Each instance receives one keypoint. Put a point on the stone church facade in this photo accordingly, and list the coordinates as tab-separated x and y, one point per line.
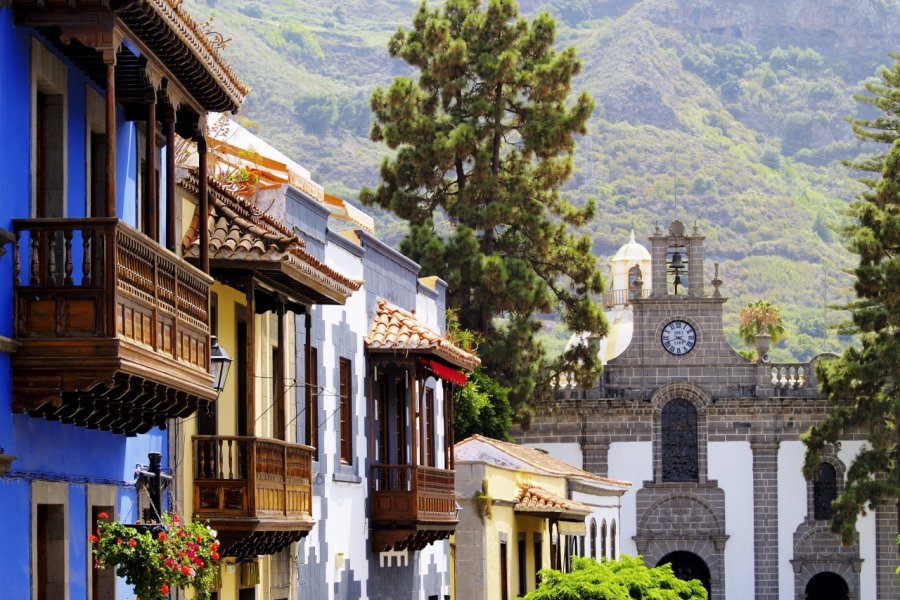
711	442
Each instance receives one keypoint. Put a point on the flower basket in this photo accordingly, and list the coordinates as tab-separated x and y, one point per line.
154	558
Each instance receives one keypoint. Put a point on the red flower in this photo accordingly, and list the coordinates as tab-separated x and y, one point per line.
214	555
118	540
186	570
132	543
93	539
162	536
102	515
164	589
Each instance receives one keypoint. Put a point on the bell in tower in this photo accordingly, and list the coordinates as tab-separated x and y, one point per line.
682	255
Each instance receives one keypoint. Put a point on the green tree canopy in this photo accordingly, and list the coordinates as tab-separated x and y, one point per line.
759	318
864	383
483	142
623	579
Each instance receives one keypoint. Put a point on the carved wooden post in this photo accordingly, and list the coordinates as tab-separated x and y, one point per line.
169	121
204	205
109	59
151	198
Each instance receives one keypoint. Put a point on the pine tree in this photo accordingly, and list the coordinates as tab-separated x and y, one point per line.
483	142
863	385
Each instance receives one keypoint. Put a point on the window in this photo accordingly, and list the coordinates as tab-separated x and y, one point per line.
383	437
824	491
603	539
103	582
428	442
49	534
679	441
400	417
346	429
311	404
522	549
612	540
504	584
594	538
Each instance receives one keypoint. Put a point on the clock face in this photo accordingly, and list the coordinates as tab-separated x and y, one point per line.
678	337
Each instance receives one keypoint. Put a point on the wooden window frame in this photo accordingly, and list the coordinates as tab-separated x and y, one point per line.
344	397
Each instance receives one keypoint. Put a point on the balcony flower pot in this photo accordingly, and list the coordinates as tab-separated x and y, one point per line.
156	558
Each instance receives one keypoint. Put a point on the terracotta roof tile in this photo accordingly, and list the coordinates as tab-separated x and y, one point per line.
397	330
532	498
543	461
238	231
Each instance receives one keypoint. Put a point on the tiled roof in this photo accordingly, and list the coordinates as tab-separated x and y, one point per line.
396	330
532	498
238	231
543	461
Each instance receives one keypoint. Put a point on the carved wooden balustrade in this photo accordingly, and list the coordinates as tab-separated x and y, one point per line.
412	505
114	328
257	492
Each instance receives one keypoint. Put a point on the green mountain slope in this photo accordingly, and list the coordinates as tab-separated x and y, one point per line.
725	113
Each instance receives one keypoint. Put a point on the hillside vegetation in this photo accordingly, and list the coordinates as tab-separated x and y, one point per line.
726	114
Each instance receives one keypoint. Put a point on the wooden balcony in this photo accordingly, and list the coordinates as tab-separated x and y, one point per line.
114	328
256	492
412	506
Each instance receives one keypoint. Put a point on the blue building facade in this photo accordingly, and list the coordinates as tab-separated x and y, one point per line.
104	331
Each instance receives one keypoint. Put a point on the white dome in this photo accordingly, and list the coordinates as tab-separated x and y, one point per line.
631	252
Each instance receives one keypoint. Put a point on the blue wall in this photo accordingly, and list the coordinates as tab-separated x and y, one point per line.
49	450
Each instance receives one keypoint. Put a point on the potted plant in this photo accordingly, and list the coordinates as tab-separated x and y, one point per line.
156	558
760	325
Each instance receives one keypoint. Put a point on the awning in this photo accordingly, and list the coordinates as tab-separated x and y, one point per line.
571	527
445	372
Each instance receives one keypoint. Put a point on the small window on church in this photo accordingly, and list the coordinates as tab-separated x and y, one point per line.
824	491
679	442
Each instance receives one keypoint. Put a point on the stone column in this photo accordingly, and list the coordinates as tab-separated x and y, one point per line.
887	556
765	519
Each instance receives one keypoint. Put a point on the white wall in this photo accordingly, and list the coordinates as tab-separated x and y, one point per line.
731	465
866	527
792	503
630	461
568	453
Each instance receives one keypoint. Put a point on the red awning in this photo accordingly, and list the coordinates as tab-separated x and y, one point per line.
445	373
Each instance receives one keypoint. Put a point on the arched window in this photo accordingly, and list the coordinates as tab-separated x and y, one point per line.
612	540
679	441
603	539
594	538
824	491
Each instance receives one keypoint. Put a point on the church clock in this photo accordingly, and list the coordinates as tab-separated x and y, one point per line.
678	337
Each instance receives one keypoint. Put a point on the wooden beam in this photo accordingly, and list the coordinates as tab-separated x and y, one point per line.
250	358
151	198
109	58
169	121
413	423
204	207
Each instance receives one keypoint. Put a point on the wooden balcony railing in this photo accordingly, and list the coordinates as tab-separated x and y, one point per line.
412	494
101	303
249	477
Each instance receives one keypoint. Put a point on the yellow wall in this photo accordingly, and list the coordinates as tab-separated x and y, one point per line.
503	486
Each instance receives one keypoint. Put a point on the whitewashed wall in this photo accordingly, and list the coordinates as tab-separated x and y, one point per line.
630	461
731	465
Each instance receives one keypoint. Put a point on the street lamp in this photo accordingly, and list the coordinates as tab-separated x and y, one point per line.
220	362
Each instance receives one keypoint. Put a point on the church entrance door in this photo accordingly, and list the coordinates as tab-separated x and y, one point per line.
687	566
827	586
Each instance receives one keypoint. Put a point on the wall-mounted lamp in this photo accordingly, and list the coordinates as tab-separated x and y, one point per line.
220	363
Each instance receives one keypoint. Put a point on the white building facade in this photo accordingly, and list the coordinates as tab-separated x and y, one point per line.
711	443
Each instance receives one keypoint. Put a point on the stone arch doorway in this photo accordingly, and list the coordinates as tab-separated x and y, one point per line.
687	566
827	586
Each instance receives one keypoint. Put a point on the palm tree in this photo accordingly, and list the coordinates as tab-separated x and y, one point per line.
760	325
